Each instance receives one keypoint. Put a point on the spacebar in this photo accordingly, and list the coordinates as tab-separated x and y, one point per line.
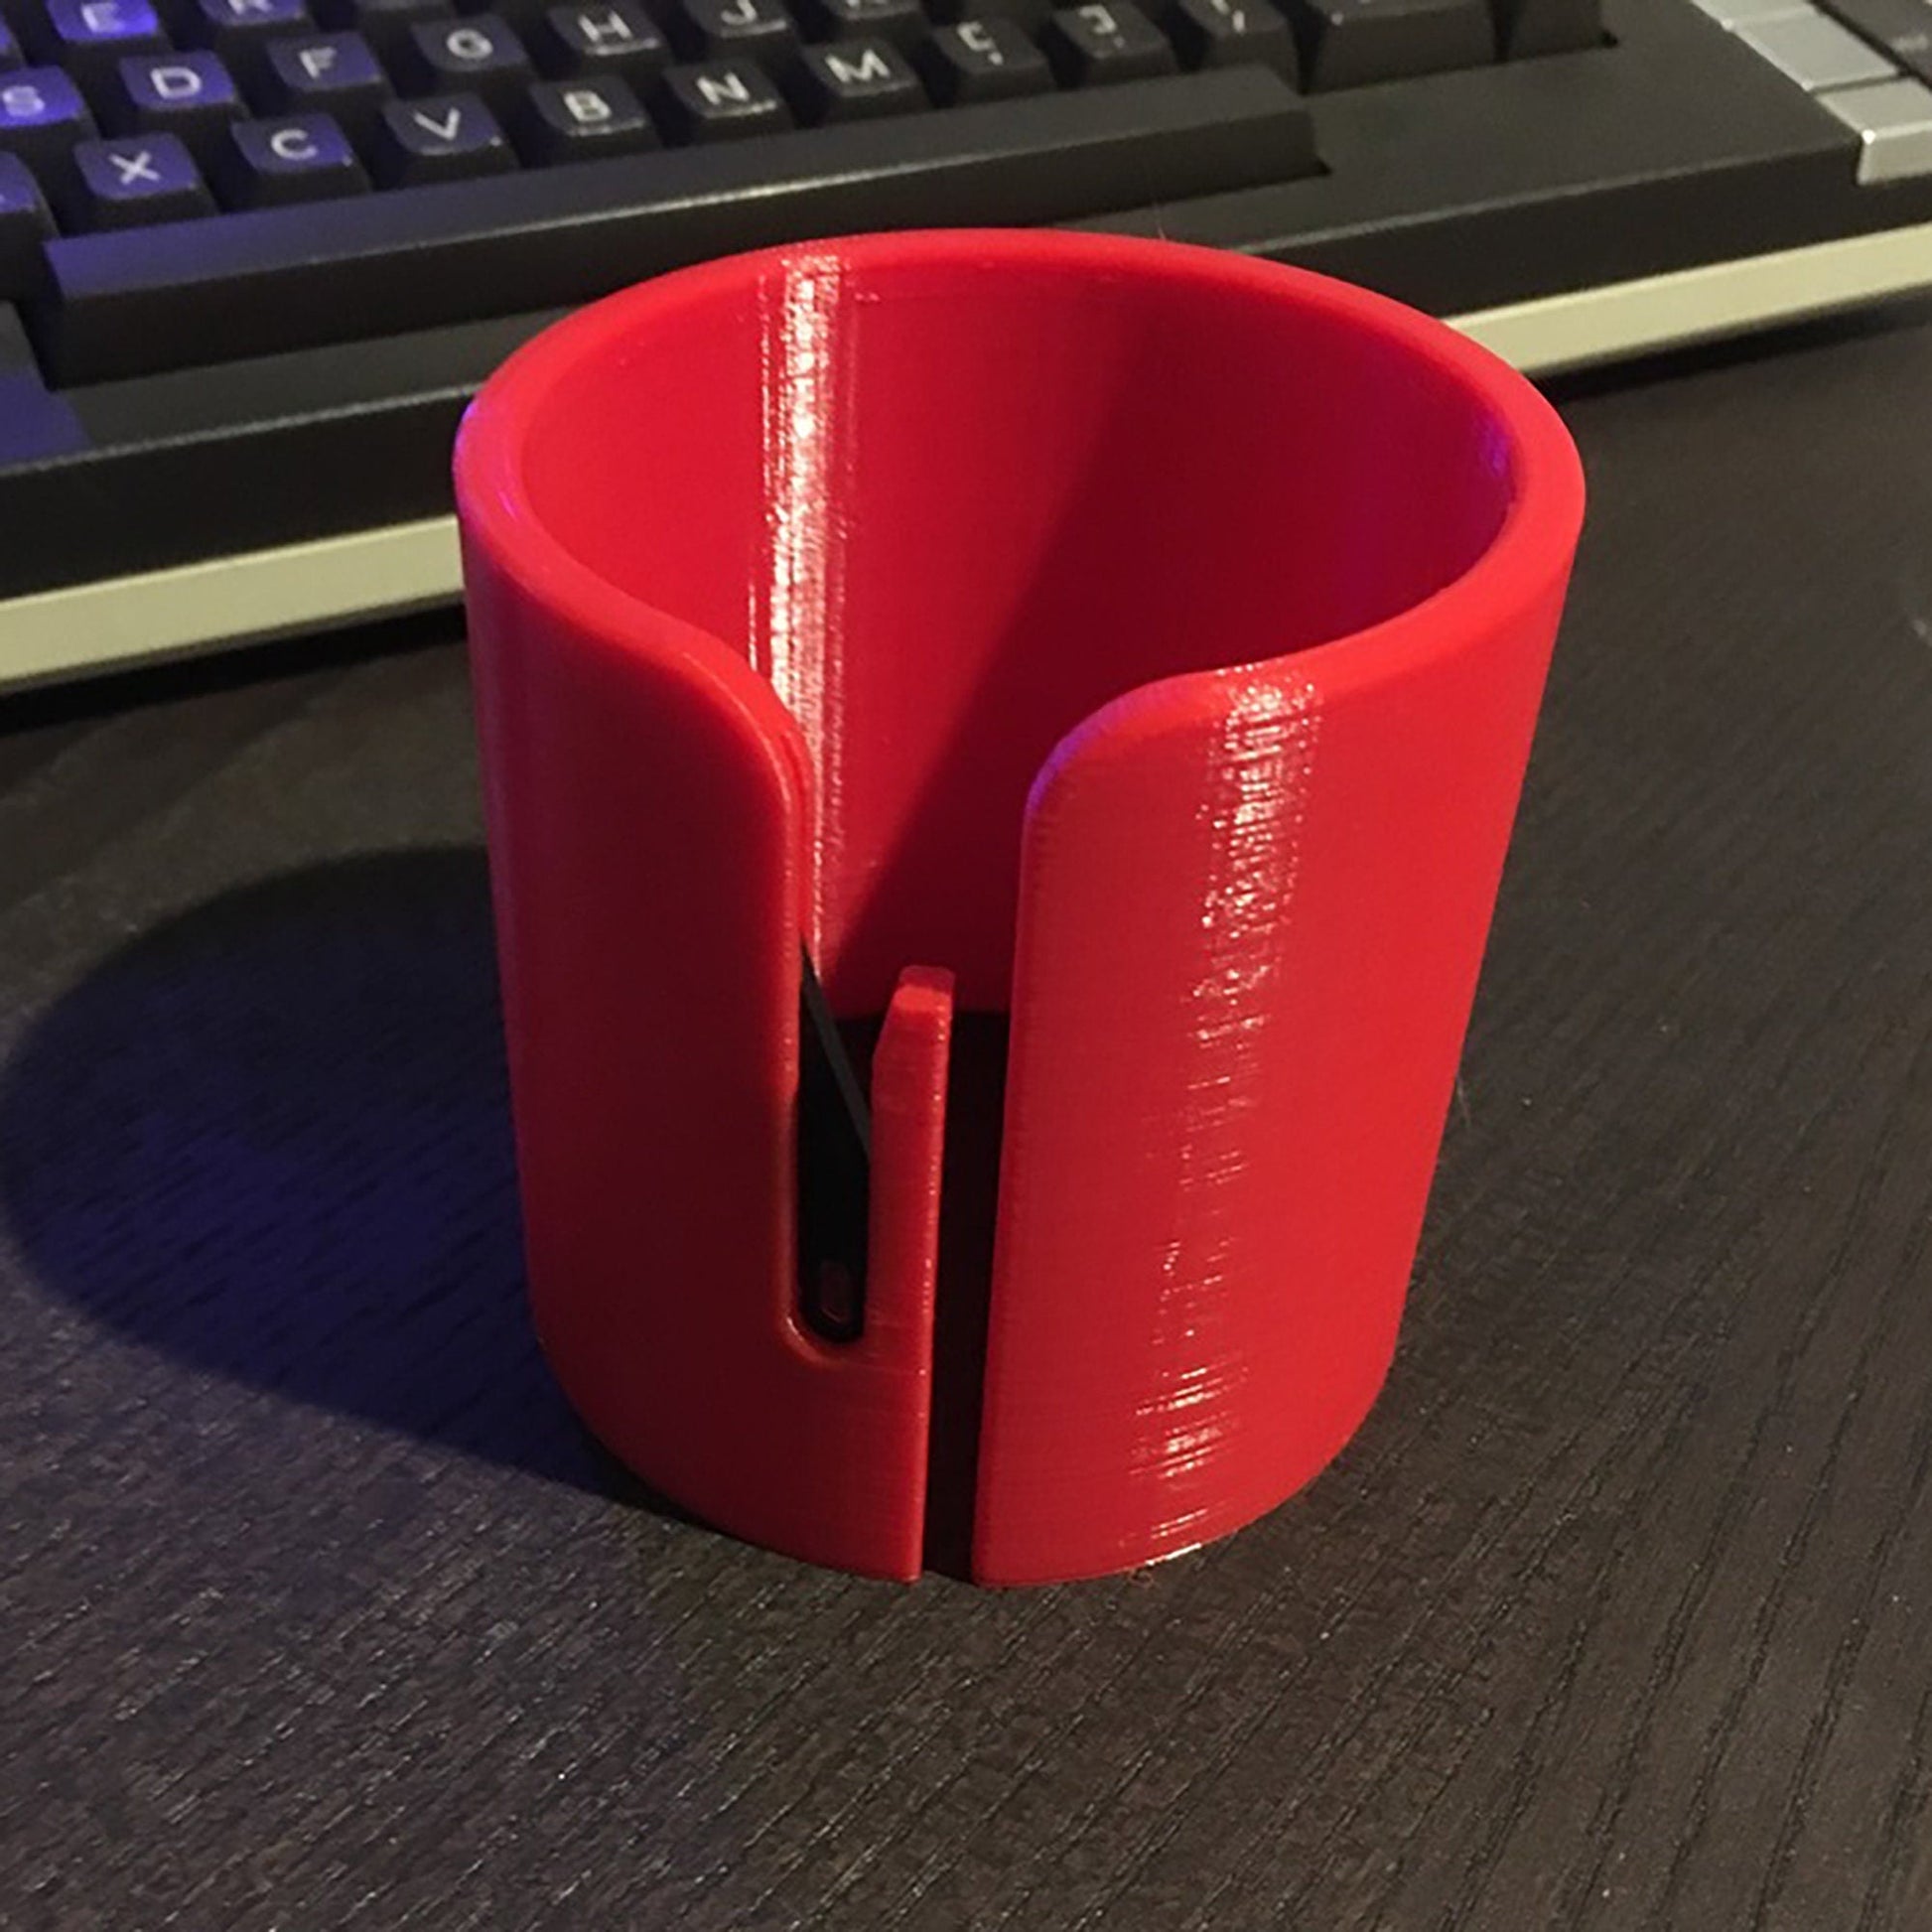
141	299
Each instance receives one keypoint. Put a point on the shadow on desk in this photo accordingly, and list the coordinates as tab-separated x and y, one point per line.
271	1139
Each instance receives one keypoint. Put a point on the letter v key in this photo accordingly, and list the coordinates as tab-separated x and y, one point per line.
447	128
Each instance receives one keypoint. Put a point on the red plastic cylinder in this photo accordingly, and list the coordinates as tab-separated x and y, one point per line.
1142	641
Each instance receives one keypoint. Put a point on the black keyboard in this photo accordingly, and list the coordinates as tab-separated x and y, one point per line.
255	254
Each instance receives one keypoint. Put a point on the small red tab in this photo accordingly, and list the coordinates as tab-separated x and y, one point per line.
908	1138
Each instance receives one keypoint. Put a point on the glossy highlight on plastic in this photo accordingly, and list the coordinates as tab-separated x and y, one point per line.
799	612
1141	643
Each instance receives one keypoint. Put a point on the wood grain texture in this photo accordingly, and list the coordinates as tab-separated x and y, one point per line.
318	1613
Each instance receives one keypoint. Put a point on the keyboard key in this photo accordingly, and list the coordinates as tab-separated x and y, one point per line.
1902	28
523	15
444	137
852	81
1526	28
1816	52
238	30
1350	43
983	60
718	100
903	21
479	53
331	74
1029	16
1732	13
138	178
384	264
1215	33
89	37
1893	123
1106	40
716	29
583	119
615	36
384	24
41	116
24	223
302	158
10	53
190	95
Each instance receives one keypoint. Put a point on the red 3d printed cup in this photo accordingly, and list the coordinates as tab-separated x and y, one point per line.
1139	642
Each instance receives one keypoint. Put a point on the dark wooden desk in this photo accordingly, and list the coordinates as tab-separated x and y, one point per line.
319	1614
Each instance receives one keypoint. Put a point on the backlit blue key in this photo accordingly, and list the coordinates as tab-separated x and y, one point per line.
24	224
42	115
191	96
138	178
87	37
302	158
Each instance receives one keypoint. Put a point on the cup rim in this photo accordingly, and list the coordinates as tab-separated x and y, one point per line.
1526	559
